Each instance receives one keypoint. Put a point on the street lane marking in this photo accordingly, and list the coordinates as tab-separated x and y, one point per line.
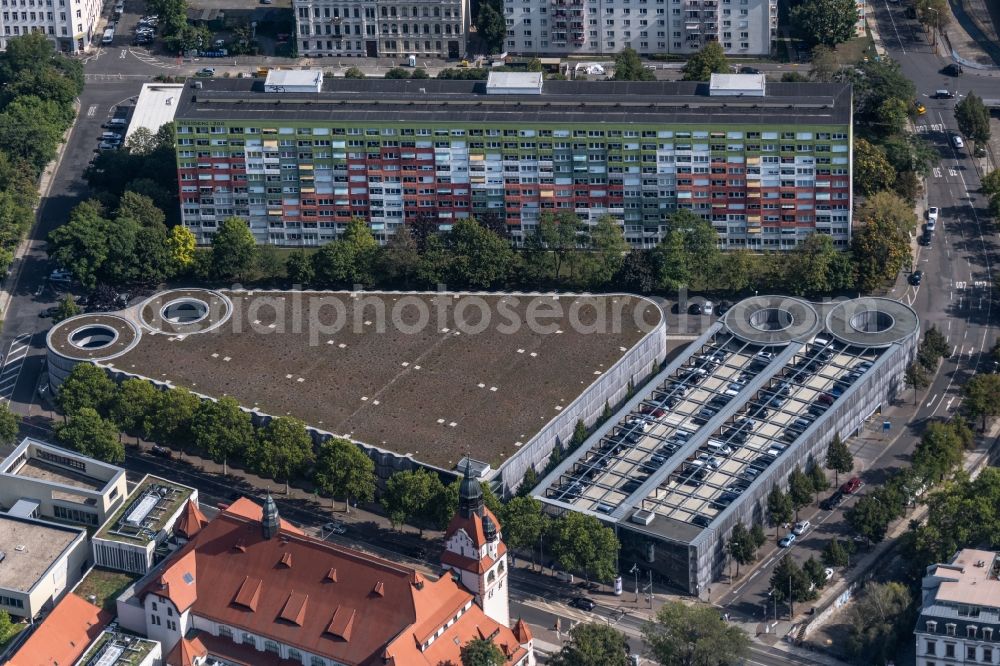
91	110
937	172
931	402
952	172
10	372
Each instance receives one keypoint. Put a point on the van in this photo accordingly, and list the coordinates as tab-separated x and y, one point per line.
411	61
109	36
117	122
718	448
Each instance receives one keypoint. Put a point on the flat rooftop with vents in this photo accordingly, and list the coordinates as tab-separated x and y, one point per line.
411	389
39	561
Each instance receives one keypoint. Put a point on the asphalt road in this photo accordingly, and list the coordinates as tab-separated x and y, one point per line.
954	295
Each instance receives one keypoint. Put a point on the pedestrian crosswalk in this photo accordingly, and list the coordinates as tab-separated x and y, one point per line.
152	60
11	368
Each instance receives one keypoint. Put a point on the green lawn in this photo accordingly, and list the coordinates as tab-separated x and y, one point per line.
855	50
105	586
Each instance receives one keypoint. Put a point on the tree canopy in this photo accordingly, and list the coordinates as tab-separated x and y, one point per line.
711	59
628	67
694	635
92	436
342	469
592	644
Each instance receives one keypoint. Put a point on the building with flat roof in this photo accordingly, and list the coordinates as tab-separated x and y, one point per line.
578	27
64	635
767	170
383	29
959	619
155	107
39	562
422	379
762	390
47	481
250	589
129	540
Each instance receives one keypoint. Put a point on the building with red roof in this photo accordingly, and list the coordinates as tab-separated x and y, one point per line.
64	635
249	588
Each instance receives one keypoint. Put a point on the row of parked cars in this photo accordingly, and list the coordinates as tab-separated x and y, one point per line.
145	30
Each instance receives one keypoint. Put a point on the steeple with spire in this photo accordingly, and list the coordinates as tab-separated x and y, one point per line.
474	549
270	520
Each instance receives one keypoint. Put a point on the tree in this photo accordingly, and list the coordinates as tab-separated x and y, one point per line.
939	451
221	429
815	572
607	250
789	578
872	171
491	26
757	536
234	249
870	517
982	397
400	259
182	243
824	64
408	494
6	626
87	386
343	469
837	553
711	59
353	73
523	522
826	22
479	258
134	399
628	67
690	250
80	246
694	636
800	490
779	508
990	183
482	652
816	266
31	129
880	621
916	378
973	118
10	423
879	250
818	480
892	114
583	543
91	435
299	269
741	546
169	420
283	449
67	308
268	263
592	644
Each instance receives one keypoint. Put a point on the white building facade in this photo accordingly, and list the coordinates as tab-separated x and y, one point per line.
70	24
959	619
384	28
556	27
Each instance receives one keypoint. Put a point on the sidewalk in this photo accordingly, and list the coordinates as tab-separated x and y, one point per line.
964	42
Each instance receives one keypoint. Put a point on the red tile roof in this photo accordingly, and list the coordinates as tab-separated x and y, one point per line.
190	521
345	605
473	526
179	582
64	635
186	651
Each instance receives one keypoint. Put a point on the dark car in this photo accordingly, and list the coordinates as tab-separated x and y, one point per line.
694	309
832	502
749	70
953	70
583	603
916	277
161	451
925	238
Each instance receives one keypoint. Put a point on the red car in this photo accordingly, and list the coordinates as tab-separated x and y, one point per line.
851	486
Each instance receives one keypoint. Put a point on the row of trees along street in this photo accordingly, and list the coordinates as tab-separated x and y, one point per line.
37	105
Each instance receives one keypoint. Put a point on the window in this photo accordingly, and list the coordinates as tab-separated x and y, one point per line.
949	650
970	652
949	629
931	647
225	632
988	654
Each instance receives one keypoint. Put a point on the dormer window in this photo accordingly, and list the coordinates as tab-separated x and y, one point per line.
931	627
970	631
987	633
950	629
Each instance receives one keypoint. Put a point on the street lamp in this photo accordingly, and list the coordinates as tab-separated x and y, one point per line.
934	29
635	570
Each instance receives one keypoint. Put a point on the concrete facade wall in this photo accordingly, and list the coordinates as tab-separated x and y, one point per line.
61	576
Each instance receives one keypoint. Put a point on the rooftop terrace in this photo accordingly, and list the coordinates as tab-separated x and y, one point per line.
117	649
39	469
145	511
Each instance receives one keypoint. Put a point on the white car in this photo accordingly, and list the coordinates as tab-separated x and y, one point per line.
956	141
335	528
828	573
801	527
709	307
932	214
787	540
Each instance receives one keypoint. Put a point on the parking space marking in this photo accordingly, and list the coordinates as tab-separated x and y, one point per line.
12	364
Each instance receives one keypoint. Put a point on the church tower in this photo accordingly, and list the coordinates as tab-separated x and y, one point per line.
475	552
270	520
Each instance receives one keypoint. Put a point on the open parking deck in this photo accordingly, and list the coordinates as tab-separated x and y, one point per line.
756	395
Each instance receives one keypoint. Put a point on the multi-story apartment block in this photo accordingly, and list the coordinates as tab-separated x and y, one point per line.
70	24
959	619
767	167
423	28
743	27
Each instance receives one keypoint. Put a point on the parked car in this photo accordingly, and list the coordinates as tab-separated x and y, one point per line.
801	527
161	451
787	540
832	502
916	277
205	72
932	215
957	141
335	528
953	69
583	603
851	486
